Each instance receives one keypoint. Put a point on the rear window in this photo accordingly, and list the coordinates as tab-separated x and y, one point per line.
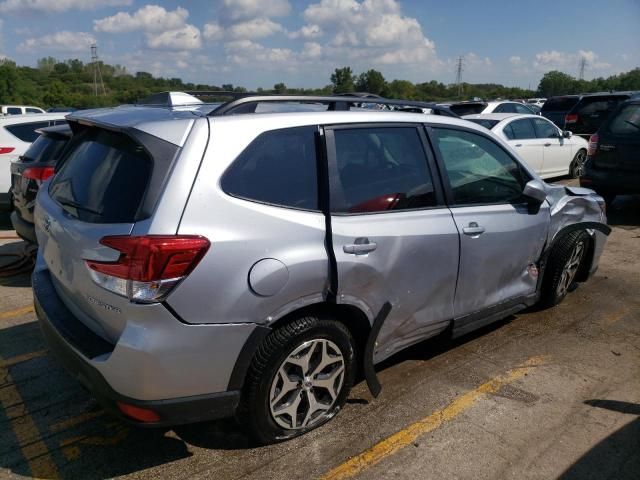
14	111
627	121
26	131
598	105
45	148
559	104
103	179
484	122
467	108
279	168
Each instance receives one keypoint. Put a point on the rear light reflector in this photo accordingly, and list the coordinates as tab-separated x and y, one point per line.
571	118
138	413
6	150
592	147
39	173
150	266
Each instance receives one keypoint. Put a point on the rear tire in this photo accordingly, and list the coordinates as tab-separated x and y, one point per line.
299	379
576	170
564	263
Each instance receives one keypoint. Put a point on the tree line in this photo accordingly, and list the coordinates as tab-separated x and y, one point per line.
70	83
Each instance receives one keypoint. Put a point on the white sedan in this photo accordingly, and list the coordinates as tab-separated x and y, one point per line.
547	149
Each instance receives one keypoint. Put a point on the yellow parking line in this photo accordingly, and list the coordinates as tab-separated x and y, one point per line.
22	358
408	435
74	421
24	428
16	312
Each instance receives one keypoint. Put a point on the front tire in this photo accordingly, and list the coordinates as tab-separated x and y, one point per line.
299	379
564	263
576	170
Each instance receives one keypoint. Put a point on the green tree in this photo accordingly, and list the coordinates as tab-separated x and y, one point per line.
371	81
342	80
280	88
557	83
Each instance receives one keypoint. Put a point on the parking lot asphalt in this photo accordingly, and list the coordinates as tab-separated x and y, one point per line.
542	394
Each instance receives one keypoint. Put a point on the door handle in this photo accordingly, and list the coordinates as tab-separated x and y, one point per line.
547	144
362	246
473	229
518	144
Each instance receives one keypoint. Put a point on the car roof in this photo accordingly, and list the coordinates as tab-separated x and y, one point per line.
499	116
57	130
29	117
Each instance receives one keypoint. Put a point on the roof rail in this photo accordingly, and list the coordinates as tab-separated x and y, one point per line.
247	103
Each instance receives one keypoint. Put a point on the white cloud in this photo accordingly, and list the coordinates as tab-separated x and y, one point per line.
307	31
516	61
56	6
185	38
63	41
150	18
549	60
244	52
213	31
253	29
311	51
248	9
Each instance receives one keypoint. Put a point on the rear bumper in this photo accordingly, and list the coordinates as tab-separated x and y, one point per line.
80	350
25	230
613	181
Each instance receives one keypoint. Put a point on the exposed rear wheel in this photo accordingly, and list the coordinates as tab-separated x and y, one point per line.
563	265
300	378
577	165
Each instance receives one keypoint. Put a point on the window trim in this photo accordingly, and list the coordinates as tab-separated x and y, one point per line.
531	124
332	164
445	176
543	119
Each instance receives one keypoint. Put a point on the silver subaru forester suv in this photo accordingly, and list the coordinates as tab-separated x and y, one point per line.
242	262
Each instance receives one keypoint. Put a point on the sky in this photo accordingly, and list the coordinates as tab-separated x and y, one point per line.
257	43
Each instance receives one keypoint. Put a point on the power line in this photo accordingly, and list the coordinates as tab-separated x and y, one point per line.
97	74
459	70
582	65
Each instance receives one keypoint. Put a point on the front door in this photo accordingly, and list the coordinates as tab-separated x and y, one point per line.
522	138
500	237
558	151
394	239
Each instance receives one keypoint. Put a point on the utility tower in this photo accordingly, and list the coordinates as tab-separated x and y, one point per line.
459	69
97	75
582	66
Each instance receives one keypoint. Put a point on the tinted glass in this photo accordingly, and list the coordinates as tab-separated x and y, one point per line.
45	148
381	169
598	105
484	122
14	111
26	131
34	110
103	179
278	167
467	108
522	109
559	104
626	121
521	130
479	170
505	108
545	129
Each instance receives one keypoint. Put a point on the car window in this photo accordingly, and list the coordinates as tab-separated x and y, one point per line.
522	109
505	108
560	104
626	121
45	148
479	170
380	169
598	105
489	124
33	110
521	130
14	111
26	131
278	167
545	129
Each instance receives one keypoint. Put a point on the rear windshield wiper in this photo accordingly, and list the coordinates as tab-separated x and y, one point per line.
65	202
634	124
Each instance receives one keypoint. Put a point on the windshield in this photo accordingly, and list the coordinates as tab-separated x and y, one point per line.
559	104
45	148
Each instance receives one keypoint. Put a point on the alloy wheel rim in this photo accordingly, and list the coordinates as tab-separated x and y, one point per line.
570	269
307	384
579	165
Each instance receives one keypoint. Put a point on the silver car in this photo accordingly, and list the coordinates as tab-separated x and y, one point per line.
196	265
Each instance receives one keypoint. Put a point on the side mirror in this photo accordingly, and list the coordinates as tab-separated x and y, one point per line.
567	134
535	192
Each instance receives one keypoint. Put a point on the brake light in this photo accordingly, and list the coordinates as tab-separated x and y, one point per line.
592	146
38	173
149	267
571	118
6	150
144	415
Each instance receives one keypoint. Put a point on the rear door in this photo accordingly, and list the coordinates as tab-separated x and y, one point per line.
619	143
522	138
557	152
500	237
394	239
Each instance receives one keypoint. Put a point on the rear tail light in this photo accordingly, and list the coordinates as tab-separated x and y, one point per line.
571	118
38	173
6	150
149	267
592	147
140	414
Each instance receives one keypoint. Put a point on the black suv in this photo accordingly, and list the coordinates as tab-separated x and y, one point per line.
592	110
556	108
613	162
27	174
